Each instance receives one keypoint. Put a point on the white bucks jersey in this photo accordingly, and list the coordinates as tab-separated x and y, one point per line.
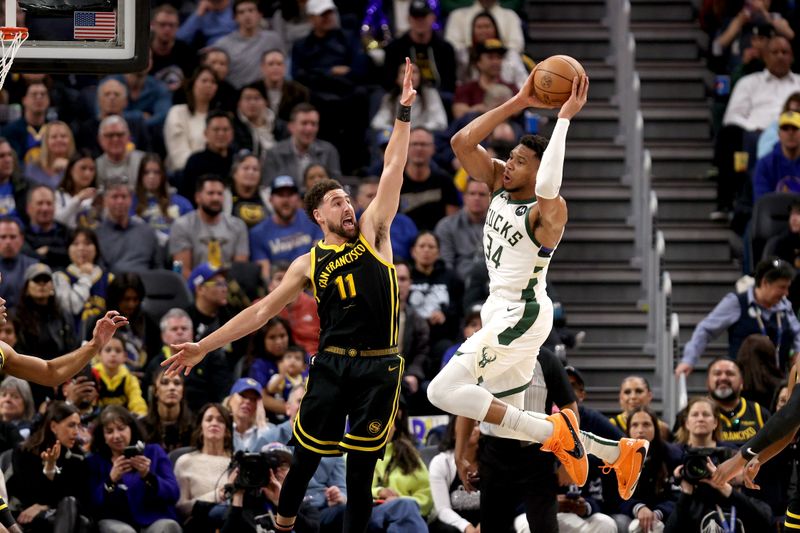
517	264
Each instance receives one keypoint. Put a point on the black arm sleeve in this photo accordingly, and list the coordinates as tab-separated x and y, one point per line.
780	424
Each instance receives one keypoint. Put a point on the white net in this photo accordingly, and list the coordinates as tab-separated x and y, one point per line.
10	40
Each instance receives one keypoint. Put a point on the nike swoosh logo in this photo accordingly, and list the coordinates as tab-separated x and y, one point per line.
577	451
393	368
641	451
510	309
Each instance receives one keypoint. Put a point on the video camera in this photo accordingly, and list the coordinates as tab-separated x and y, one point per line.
695	462
254	468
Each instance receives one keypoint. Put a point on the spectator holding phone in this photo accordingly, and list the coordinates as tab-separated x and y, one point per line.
132	487
50	473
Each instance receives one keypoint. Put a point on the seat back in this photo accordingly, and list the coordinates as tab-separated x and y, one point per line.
177	452
164	289
428	453
770	216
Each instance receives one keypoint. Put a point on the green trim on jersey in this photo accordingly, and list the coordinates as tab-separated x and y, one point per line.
525	322
498	191
522	202
529	229
511	392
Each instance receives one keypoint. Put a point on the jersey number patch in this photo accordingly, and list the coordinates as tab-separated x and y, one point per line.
346	286
494	257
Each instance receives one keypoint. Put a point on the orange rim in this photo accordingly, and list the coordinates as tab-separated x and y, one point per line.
9	33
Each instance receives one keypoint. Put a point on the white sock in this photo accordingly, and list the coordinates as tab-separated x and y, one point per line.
526	424
605	449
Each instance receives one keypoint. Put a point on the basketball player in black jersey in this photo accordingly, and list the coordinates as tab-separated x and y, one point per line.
358	370
52	373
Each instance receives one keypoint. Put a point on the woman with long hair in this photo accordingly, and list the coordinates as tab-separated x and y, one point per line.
401	482
47	329
77	192
132	487
169	422
81	289
515	67
201	473
429	114
245	198
760	373
654	498
50	472
267	347
154	201
58	146
185	125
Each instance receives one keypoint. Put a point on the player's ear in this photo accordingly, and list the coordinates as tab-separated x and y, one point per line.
318	216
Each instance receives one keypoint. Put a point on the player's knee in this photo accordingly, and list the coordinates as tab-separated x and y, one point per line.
436	391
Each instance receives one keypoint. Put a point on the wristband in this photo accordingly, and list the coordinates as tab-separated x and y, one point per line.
404	113
748	453
55	471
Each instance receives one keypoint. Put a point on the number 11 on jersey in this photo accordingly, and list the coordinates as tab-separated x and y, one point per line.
346	285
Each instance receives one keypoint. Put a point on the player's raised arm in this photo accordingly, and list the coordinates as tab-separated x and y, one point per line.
552	208
187	355
56	371
384	207
466	143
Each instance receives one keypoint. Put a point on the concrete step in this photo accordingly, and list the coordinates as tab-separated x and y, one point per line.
686	202
629	328
662	11
566	10
585	290
591	202
681	121
697	291
696	243
677	158
594	159
668	41
596	243
685	84
583	41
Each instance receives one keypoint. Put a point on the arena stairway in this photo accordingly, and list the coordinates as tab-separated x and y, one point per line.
592	270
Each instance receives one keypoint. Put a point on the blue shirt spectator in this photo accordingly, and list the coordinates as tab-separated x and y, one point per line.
288	233
148	96
207	25
780	169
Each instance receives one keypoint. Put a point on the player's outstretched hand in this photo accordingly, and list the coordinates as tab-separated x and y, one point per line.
105	328
409	93
729	469
184	357
576	101
527	96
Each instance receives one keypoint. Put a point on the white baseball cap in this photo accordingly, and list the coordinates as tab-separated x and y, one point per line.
318	7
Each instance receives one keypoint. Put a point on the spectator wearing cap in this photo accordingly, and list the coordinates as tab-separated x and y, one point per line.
591	420
763	309
428	113
13	263
208	382
127	244
458	30
779	171
470	97
247	44
208	234
288	233
291	156
254	125
46	330
461	234
116	160
433	55
46	237
217	157
250	426
211	21
769	137
402	232
282	94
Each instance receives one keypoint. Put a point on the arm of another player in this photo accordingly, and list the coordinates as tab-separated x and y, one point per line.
384	207
466	143
187	355
60	369
552	208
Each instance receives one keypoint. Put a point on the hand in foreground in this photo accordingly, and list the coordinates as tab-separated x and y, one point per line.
527	96
683	368
468	473
184	357
106	327
50	456
576	101
750	473
723	487
409	93
729	469
27	516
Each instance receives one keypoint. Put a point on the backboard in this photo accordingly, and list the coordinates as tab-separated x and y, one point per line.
81	36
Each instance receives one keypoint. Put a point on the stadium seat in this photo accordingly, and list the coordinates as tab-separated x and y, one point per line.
770	216
164	289
174	454
5	463
248	276
428	453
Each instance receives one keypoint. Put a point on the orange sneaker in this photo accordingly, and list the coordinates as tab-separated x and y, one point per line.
565	444
632	453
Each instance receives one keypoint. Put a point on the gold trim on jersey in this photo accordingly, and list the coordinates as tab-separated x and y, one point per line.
2	359
393	291
373	252
338	248
313	266
385	433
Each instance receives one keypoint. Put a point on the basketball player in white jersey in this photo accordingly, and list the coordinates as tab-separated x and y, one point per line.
487	378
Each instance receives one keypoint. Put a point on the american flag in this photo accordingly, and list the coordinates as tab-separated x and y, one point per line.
95	25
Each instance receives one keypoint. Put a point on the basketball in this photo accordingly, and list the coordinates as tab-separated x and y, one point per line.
552	79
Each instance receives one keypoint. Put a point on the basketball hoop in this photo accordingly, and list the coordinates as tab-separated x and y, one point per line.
11	38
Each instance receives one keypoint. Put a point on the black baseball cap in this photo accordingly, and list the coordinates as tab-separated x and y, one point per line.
572	371
419	8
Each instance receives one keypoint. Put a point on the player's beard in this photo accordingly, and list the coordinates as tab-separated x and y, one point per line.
338	229
723	394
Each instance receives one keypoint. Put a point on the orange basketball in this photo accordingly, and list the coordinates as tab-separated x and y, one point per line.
552	78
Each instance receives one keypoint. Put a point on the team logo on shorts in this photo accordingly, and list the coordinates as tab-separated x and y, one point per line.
374	427
521	210
486	358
